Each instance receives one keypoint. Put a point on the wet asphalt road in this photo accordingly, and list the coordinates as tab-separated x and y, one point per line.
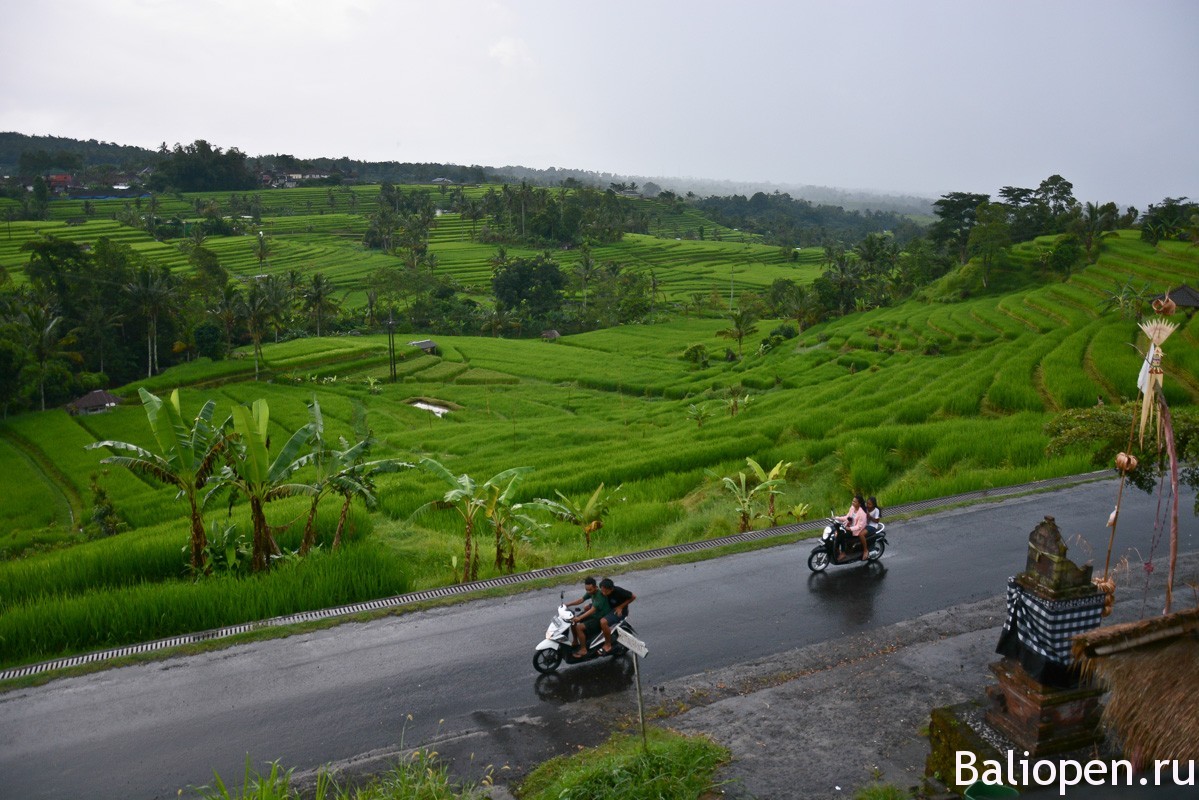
465	672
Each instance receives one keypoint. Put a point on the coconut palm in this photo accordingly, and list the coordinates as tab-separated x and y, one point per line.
226	310
318	299
249	470
154	293
256	312
742	326
49	346
187	459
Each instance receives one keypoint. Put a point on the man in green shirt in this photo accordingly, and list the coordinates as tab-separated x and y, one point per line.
587	623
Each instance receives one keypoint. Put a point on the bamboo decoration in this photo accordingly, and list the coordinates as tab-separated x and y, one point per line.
1150	379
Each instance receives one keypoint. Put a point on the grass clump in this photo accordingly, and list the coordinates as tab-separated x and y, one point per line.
673	767
423	777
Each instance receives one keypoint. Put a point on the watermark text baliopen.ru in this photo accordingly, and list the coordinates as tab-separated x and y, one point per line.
1067	773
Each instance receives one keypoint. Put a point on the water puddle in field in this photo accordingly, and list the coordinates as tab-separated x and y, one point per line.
439	411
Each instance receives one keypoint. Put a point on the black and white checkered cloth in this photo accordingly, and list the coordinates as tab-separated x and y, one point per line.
1047	627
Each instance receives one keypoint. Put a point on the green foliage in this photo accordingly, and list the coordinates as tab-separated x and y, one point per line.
49	624
104	520
912	425
882	791
674	767
421	777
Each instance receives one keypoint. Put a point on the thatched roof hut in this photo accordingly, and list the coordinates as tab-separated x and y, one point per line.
1150	669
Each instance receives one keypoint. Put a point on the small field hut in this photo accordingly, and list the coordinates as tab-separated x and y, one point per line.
96	402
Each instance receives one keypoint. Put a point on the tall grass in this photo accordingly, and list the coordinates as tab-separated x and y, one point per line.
53	625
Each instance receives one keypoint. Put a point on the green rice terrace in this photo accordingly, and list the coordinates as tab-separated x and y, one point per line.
907	402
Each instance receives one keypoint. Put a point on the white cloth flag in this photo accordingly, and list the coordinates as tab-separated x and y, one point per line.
1143	377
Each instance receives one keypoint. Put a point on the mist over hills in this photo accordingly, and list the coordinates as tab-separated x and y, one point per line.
78	154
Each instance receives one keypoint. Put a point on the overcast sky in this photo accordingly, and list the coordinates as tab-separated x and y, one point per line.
904	96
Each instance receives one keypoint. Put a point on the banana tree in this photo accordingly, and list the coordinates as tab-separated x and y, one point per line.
249	470
777	474
745	497
344	472
469	499
588	515
188	457
505	516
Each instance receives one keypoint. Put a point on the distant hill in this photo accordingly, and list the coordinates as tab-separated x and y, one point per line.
55	153
76	153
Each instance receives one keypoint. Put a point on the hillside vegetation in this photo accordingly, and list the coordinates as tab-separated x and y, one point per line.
913	401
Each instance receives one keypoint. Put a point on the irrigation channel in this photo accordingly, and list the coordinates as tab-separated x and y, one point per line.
592	565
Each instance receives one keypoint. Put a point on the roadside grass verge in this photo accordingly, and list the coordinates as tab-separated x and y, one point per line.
672	767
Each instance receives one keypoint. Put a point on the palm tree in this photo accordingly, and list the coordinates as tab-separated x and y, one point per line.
97	320
249	470
39	326
1096	223
227	311
318	299
187	459
256	313
742	325
585	271
153	293
278	298
588	515
469	499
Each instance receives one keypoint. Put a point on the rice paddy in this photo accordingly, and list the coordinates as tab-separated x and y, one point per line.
911	402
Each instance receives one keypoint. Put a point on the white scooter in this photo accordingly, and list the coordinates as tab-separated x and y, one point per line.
559	644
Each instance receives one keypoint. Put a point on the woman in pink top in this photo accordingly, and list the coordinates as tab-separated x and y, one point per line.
855	523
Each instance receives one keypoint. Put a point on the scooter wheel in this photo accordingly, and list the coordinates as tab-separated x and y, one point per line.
546	661
876	550
818	561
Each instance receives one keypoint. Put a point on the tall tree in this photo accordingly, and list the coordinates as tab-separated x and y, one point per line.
48	345
990	237
318	299
153	293
956	213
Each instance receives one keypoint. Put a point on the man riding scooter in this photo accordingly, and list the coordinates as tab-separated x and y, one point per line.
589	622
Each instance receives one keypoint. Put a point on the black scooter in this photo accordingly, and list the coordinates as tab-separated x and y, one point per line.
839	547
